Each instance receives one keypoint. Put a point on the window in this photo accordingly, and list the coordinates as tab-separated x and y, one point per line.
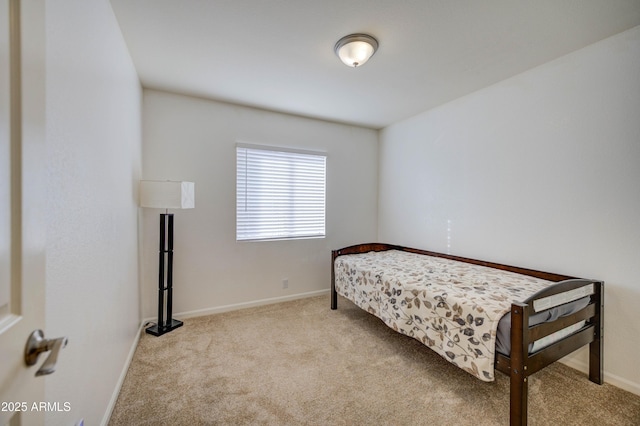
280	194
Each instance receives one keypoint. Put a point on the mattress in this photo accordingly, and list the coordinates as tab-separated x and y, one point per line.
453	307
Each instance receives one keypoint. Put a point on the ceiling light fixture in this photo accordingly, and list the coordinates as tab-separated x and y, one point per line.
356	49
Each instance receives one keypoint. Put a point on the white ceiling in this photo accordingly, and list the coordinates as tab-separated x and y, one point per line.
278	54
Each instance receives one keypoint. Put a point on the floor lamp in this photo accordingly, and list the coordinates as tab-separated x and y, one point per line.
166	195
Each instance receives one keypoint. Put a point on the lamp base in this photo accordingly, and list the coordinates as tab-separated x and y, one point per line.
157	330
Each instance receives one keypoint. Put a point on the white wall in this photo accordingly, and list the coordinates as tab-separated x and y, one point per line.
541	171
93	131
193	139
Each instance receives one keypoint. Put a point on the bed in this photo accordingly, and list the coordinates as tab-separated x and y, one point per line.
480	316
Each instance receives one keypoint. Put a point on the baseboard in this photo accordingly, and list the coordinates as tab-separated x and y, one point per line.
243	305
612	379
123	374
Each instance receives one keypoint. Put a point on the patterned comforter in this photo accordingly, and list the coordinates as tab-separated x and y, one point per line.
452	307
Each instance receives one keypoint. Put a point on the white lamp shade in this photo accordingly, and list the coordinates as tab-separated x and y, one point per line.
167	194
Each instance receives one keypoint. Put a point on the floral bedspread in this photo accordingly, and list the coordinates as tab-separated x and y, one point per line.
452	307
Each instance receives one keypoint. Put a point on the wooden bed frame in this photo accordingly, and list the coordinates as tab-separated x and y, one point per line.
520	365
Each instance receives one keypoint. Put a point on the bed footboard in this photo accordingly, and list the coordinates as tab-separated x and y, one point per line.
521	364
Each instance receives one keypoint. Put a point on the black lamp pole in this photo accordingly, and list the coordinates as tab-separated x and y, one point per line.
165	281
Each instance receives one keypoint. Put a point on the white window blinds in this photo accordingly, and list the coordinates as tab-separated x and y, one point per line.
279	194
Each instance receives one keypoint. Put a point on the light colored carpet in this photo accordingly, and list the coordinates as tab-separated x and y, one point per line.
300	363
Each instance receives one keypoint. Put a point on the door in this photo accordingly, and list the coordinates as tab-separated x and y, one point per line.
22	198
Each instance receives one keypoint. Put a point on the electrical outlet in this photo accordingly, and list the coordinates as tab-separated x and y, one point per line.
285	283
